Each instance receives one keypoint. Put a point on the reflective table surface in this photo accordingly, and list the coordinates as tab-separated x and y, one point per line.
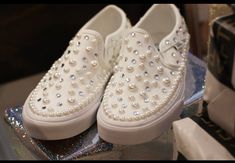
88	145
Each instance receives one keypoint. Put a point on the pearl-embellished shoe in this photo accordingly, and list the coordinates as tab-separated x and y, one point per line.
146	92
65	101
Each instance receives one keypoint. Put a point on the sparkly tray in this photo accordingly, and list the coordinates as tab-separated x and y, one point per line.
88	143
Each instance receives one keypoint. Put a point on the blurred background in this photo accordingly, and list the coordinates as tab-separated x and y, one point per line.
33	36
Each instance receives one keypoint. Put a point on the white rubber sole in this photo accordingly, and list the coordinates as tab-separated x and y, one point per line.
139	134
60	129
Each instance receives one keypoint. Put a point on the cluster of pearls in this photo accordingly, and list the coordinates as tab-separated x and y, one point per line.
165	80
69	69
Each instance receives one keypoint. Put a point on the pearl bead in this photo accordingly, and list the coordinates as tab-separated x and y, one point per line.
74	83
146	37
143	94
138	77
50	110
71	100
71	42
141	66
130	69
51	84
81	79
88	49
66	69
76	51
88	87
146	82
160	69
106	112
129	118
149	53
111	115
94	41
154	103
156	58
122	119
79	71
56	75
145	109
44	114
135	105
166	81
121	84
132	98
45	93
46	101
113	84
129	48
155	96
78	36
116	117
131	86
58	86
119	91
121	111
142	57
146	100
59	60
94	63
66	56
72	62
126	40
71	92
154	83
173	87
89	74
116	68
114	105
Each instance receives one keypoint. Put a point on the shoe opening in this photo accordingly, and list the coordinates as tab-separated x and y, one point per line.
159	21
112	19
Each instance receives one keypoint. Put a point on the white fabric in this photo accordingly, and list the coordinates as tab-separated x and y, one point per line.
221	103
195	143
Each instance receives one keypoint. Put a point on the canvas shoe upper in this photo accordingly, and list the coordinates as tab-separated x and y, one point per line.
65	101
147	90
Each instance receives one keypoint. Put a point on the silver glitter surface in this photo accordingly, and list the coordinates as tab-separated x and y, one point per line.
85	144
89	143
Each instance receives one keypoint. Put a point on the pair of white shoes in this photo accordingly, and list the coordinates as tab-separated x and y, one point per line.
147	66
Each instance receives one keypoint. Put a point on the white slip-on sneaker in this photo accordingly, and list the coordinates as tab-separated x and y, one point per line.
65	101
146	92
